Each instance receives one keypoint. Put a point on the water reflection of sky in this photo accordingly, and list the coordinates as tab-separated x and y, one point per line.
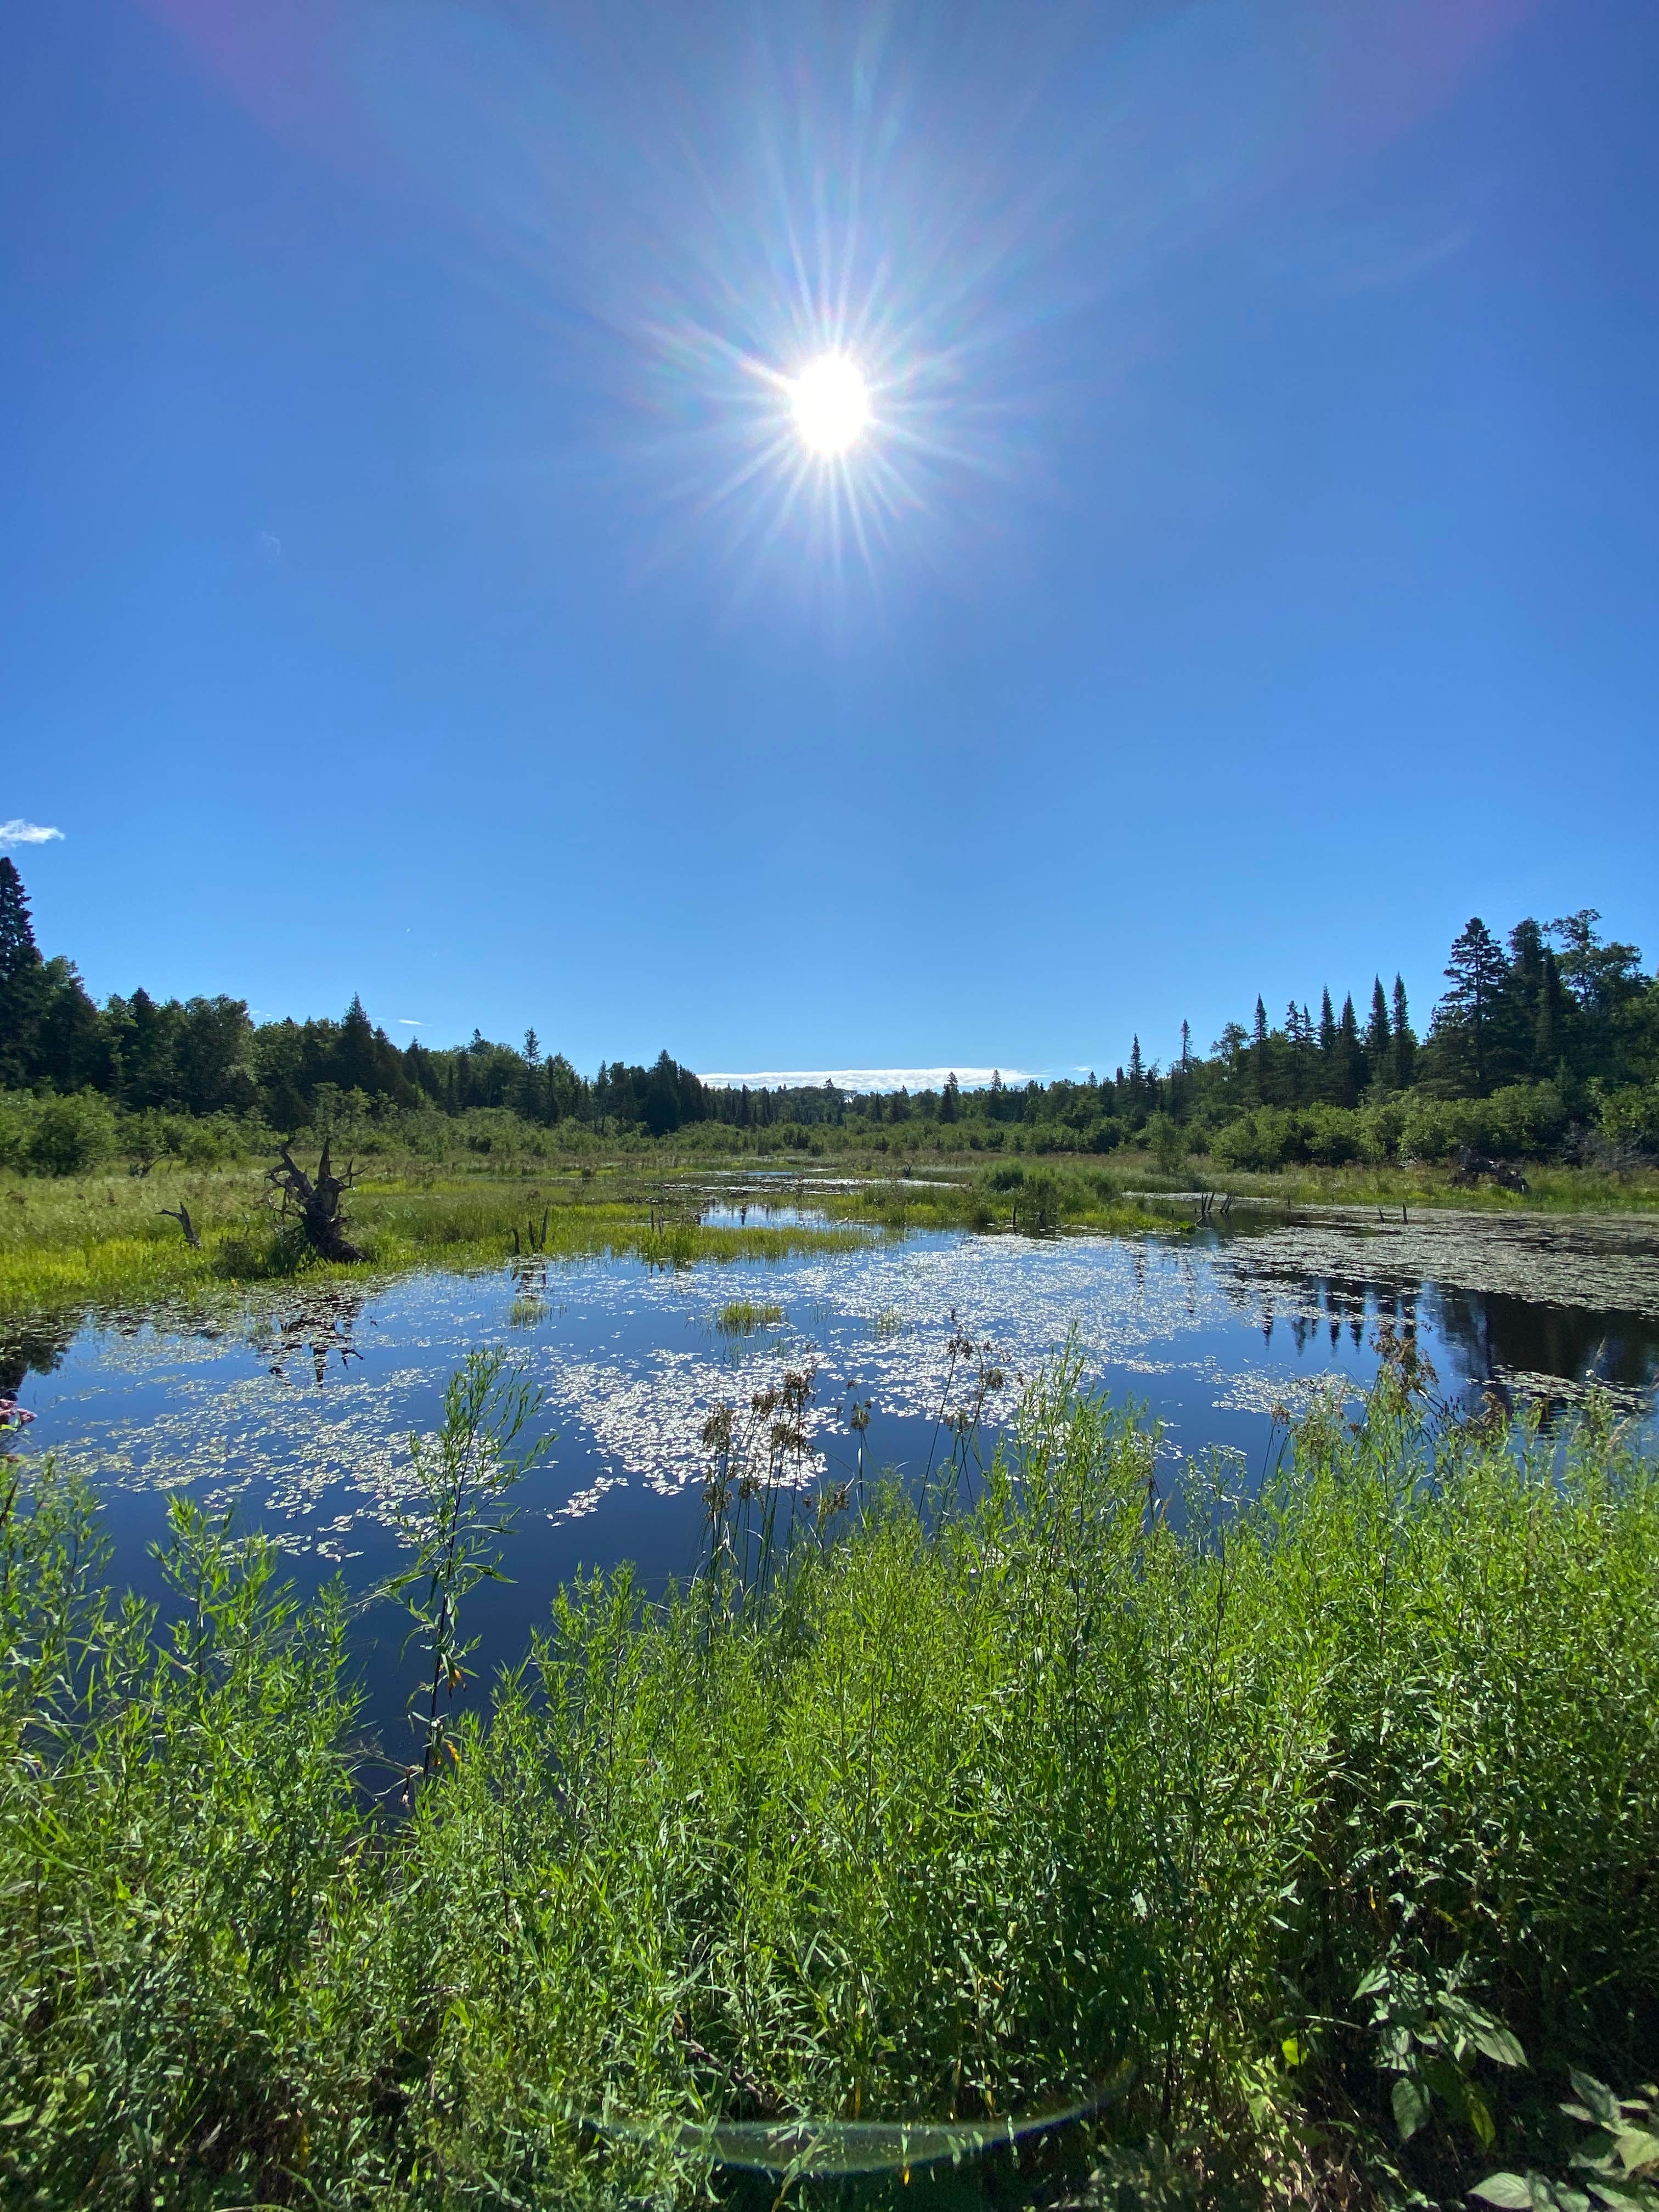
296	1407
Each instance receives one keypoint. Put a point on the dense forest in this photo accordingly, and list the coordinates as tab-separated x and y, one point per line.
1545	1043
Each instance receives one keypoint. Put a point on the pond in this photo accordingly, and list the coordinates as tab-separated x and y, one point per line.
294	1406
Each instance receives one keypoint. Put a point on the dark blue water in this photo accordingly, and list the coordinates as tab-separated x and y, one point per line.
294	1408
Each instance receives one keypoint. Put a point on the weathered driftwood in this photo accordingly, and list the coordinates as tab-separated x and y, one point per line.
181	1213
316	1203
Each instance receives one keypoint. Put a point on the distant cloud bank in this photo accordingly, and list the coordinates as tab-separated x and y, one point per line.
19	832
861	1079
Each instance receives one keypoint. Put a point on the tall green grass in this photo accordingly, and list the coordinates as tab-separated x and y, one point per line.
1221	1816
106	1241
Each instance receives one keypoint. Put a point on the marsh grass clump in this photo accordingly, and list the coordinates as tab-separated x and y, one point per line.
1209	1816
745	1317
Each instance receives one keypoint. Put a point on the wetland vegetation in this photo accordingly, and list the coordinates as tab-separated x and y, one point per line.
1112	1829
1543	1049
1280	1848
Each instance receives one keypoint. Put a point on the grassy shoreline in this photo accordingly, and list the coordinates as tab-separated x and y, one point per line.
82	1243
89	1242
1248	1815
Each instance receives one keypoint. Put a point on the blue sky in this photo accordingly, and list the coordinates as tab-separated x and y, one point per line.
410	582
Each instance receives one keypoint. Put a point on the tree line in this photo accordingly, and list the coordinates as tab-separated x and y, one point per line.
1554	1027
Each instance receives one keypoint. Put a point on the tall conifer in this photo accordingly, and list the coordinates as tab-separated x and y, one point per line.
23	989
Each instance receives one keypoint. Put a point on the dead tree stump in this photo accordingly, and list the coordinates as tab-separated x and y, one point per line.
315	1203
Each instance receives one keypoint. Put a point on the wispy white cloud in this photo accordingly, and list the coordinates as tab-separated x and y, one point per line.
404	1023
863	1079
19	832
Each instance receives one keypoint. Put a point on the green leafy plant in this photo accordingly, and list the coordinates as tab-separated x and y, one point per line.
1430	2032
1619	2159
457	1527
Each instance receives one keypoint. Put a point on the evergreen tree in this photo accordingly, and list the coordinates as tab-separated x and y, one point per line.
1466	1021
354	1067
1348	1072
23	986
1325	1046
1298	1036
1602	981
69	1051
1261	1070
1402	1044
1513	1055
1376	1035
1549	1021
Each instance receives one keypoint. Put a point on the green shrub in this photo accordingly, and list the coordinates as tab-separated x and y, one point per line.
71	1135
1432	1129
1166	1140
1380	1122
1630	1116
1330	1136
1264	1138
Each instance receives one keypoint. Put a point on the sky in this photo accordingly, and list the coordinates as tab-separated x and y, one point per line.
414	581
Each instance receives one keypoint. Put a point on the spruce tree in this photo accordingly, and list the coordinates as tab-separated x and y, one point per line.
23	988
1259	1053
1402	1044
1297	1039
1549	1023
1376	1035
18	949
1466	1020
1326	1077
1350	1071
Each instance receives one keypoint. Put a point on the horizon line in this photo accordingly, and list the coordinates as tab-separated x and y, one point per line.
865	1078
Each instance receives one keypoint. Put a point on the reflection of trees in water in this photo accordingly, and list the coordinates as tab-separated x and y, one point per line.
317	1331
1492	1334
1495	1334
34	1348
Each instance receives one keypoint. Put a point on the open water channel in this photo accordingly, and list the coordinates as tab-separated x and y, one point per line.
294	1406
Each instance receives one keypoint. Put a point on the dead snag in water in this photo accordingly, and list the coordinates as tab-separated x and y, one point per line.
181	1213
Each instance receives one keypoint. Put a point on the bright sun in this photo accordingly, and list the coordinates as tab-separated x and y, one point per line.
831	402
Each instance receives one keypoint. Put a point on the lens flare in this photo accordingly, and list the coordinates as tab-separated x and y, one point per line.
831	402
